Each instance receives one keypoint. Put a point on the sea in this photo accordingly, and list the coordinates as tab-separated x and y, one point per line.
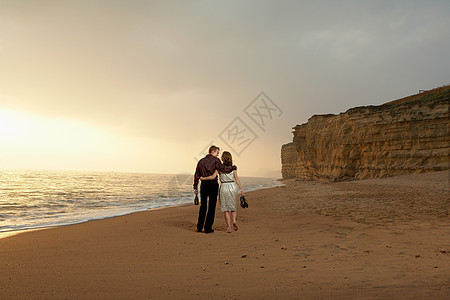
32	199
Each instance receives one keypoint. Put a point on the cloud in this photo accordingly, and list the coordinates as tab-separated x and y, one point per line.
181	70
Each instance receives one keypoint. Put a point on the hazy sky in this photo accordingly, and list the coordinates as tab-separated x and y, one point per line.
145	86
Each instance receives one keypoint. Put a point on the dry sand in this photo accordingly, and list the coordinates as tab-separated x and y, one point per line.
362	239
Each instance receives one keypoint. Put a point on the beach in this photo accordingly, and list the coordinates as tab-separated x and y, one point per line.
373	238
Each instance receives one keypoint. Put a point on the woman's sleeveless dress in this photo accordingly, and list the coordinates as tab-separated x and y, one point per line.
228	192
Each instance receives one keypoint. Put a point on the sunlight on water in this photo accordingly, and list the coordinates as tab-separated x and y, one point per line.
36	199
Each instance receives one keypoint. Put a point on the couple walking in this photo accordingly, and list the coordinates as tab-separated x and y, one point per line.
207	170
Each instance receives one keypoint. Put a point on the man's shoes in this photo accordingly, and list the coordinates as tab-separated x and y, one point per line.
209	231
198	230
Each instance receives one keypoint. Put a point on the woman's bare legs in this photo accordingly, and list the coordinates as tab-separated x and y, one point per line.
228	221
233	216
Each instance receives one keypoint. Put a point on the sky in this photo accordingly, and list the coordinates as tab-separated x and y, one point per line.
147	86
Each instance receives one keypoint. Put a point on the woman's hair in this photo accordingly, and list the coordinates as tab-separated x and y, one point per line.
227	159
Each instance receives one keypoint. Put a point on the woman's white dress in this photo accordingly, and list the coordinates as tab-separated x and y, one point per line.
228	192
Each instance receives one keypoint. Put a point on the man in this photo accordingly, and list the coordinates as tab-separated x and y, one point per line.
209	189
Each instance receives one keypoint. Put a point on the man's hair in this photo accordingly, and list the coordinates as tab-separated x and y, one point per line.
213	148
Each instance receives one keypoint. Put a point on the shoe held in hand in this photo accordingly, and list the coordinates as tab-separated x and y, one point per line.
243	202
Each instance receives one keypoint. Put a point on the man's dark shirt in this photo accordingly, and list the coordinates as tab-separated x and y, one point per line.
206	167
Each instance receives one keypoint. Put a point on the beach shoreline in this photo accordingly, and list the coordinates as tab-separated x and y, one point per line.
5	234
33	200
12	232
373	238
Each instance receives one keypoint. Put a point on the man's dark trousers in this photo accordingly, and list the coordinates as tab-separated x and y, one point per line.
209	189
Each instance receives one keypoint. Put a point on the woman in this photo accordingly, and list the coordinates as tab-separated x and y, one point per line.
228	191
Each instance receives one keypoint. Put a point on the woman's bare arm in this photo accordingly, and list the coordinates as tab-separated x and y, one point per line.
236	178
211	177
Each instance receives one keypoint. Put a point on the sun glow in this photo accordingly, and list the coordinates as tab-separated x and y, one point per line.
10	124
23	130
28	141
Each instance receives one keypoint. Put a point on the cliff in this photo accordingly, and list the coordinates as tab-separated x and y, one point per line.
409	135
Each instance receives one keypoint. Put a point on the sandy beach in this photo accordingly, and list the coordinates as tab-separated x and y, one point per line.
373	238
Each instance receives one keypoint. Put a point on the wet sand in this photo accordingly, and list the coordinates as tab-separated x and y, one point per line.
361	239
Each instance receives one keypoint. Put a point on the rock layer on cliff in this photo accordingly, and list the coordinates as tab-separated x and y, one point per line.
409	135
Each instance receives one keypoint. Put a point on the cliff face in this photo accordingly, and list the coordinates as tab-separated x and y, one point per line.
409	135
